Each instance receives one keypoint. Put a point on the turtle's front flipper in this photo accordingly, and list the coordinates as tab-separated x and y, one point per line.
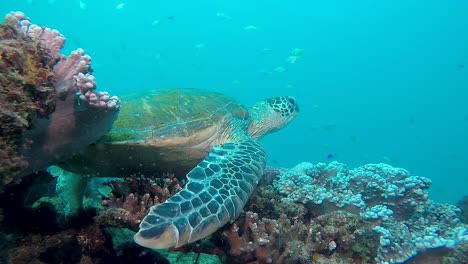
216	192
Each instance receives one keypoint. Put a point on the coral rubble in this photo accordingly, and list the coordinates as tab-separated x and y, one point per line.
49	106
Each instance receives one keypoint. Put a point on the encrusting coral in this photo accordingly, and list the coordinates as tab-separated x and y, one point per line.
26	78
393	201
49	106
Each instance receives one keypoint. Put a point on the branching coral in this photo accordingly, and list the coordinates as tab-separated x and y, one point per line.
132	197
253	239
274	230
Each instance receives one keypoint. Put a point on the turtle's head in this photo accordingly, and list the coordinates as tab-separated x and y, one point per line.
271	115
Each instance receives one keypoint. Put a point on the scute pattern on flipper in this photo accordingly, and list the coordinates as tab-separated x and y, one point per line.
228	176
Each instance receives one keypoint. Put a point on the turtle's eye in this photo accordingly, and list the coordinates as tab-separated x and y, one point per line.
285	105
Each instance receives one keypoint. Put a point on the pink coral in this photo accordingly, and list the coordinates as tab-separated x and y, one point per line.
71	114
50	39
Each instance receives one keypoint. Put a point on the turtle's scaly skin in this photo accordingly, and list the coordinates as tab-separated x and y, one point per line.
216	193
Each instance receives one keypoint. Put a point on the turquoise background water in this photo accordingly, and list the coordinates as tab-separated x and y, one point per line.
379	81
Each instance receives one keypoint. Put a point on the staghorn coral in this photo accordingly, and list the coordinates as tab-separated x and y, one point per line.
132	197
395	202
50	108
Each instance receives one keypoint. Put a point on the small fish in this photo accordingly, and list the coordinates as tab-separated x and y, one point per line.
329	126
330	156
200	46
265	72
297	52
292	59
155	23
279	69
315	108
120	6
388	160
266	50
250	28
353	139
294	55
83	5
223	16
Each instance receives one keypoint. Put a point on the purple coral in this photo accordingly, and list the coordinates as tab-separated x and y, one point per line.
50	107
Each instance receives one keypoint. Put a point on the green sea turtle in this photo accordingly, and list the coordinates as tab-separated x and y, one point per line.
209	135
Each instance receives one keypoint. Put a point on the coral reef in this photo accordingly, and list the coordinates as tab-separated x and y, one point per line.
395	202
458	255
50	108
131	199
33	234
273	229
69	246
463	205
253	239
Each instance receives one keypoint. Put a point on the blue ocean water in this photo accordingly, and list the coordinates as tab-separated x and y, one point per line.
377	81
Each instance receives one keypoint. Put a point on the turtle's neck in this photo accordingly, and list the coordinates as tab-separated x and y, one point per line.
261	121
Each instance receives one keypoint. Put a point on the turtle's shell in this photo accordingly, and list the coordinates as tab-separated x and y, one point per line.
159	131
172	116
